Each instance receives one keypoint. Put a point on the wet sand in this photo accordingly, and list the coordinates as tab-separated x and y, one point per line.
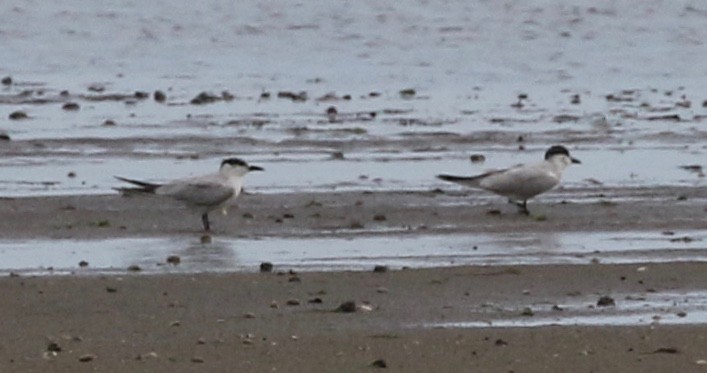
286	322
451	210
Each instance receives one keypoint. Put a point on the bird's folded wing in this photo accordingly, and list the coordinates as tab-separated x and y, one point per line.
521	180
198	193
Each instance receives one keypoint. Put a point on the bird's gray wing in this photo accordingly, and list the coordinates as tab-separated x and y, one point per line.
197	193
520	182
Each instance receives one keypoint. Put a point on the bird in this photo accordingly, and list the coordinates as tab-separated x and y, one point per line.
522	182
201	194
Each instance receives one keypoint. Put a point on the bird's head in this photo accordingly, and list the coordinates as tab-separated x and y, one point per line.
237	166
560	154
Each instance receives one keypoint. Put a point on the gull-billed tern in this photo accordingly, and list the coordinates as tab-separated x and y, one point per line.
201	194
521	182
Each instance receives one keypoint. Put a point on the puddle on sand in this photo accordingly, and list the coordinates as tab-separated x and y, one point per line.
652	309
361	253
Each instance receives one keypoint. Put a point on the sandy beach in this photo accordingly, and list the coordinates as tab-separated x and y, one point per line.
352	108
289	322
440	319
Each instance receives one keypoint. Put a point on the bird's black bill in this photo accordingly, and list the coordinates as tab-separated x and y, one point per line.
575	160
255	168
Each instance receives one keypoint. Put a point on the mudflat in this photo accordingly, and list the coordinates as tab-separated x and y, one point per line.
524	318
301	322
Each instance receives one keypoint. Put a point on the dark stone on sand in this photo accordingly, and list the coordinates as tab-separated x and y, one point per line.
159	96
296	97
293	302
96	87
109	123
606	301
6	80
575	100
380	363
141	95
266	267
204	98
477	158
265	95
315	301
53	347
346	307
408	93
227	96
380	269
174	259
379	217
4	136
134	268
71	106
18	115
83	263
87	358
111	289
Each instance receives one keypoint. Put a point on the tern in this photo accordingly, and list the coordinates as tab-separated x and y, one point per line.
522	182
201	194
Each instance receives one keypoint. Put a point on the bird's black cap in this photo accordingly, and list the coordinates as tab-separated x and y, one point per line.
240	162
234	162
557	150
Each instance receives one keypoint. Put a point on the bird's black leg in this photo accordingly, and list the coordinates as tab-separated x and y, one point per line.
205	220
523	207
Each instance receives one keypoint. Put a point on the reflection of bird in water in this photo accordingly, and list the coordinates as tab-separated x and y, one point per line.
201	194
522	182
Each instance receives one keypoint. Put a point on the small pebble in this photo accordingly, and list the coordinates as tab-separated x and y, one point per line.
159	96
331	113
380	363
379	217
53	347
141	95
83	263
346	307
174	259
606	301
86	358
18	115
71	106
109	123
293	302
197	360
407	93
380	269
477	158
266	267
134	268
6	80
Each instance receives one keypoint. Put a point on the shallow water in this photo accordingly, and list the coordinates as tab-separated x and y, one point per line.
651	309
362	253
633	66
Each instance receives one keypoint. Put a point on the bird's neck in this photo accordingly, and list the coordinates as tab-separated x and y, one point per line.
559	164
